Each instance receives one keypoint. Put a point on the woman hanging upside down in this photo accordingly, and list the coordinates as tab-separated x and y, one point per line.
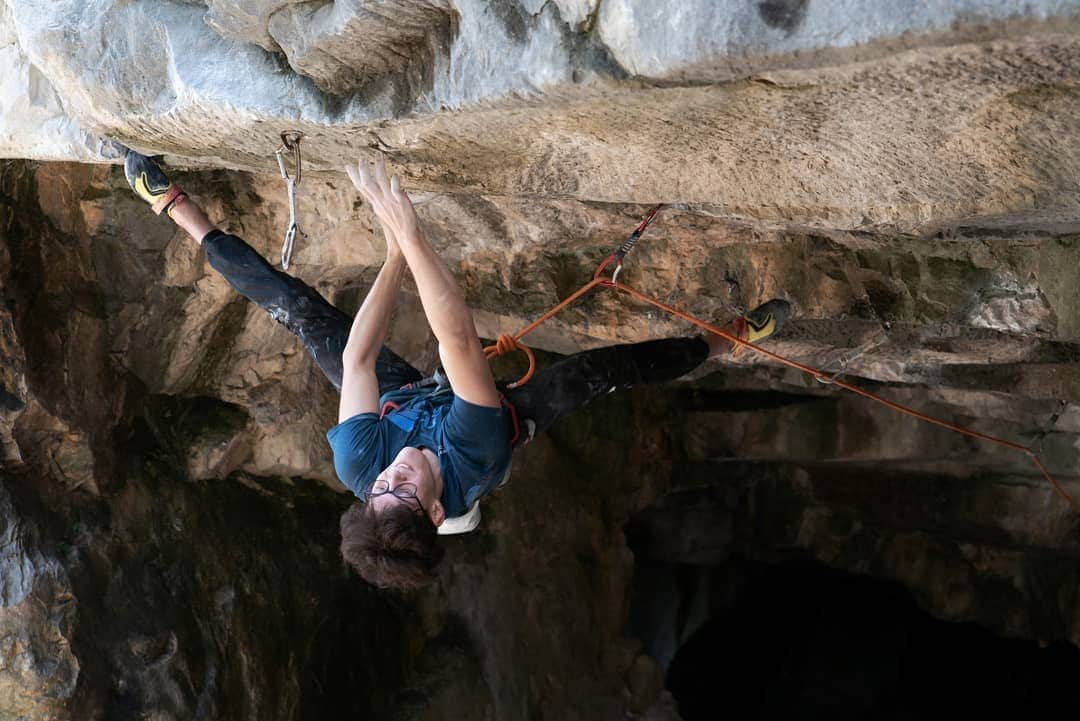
421	455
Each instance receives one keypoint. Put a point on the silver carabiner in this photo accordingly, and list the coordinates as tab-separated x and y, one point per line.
286	247
877	339
615	275
290	141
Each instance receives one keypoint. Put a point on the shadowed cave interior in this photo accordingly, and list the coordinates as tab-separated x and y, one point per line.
799	640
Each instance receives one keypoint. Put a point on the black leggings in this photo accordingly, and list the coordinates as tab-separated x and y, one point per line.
322	328
552	393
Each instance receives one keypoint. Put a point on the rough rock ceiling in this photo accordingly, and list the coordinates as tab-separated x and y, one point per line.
928	182
600	102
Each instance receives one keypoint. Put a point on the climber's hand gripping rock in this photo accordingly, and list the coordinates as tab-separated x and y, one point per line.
391	204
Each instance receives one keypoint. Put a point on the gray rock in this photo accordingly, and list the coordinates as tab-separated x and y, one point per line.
246	21
17	571
660	40
216	81
347	47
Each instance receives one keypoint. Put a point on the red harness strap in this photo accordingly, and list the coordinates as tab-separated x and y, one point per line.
513	418
387	407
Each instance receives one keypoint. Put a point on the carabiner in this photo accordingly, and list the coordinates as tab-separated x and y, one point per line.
290	141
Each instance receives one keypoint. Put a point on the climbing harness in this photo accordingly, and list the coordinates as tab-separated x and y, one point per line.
512	342
290	142
440	383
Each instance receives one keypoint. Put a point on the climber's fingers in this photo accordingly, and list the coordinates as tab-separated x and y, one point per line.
364	181
365	174
354	176
389	202
380	174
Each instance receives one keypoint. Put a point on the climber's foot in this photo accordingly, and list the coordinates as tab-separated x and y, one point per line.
150	184
762	322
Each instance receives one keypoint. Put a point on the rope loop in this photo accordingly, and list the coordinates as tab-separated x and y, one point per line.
506	343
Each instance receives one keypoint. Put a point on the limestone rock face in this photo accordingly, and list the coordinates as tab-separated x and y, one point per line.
245	21
215	83
347	46
168	512
37	613
33	121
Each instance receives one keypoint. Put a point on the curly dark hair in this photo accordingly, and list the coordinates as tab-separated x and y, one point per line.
393	549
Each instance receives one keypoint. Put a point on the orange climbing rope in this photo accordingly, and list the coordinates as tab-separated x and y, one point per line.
507	343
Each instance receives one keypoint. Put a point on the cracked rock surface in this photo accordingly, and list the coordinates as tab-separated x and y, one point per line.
168	510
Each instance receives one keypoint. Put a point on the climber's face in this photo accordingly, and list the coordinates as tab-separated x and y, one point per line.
412	478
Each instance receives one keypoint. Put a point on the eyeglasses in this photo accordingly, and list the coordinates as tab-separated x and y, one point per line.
402	491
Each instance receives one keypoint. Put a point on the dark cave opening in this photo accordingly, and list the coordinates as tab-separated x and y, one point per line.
798	640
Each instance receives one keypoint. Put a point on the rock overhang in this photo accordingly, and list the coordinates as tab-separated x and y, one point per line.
613	102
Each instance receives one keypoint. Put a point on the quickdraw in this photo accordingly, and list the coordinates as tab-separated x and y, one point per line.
845	359
290	142
880	337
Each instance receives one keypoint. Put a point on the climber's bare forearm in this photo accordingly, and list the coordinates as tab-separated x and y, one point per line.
372	321
451	321
359	383
444	304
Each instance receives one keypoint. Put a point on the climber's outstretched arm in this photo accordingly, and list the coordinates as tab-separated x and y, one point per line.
359	383
460	350
444	304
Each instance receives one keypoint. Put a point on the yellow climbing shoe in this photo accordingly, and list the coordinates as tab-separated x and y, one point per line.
149	183
762	322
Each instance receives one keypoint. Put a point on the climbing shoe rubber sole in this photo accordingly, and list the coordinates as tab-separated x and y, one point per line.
149	183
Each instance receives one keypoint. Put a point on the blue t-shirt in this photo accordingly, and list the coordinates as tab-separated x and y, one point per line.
472	442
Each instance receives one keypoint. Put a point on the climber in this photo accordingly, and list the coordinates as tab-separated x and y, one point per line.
420	454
